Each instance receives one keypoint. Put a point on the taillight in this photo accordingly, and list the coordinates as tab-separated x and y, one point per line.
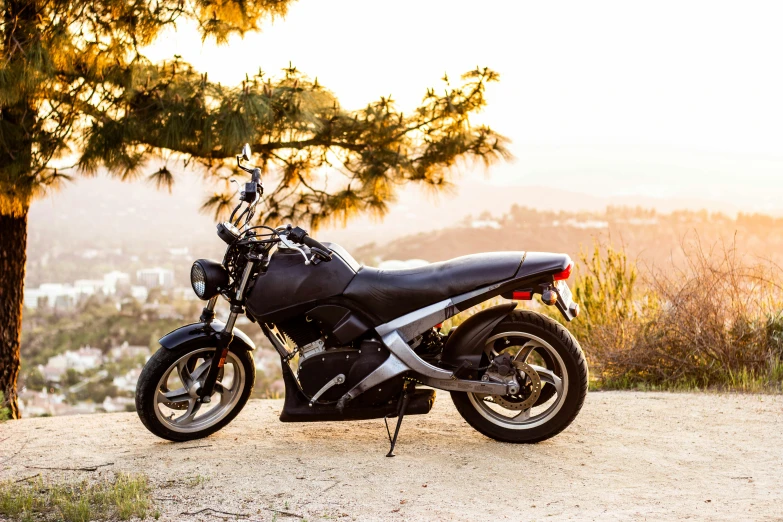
522	295
565	274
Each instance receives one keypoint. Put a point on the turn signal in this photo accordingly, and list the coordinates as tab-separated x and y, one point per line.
565	274
549	297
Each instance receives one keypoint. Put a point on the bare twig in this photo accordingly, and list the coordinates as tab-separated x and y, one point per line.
330	487
194	447
243	515
16	452
284	513
86	468
27	478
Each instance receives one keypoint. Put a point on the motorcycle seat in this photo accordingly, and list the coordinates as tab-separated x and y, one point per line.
388	294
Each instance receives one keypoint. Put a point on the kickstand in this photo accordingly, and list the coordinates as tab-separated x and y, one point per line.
402	406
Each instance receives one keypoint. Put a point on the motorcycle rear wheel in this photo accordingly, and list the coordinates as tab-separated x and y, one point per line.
540	341
167	399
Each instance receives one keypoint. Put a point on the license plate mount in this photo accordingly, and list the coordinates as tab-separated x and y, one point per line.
565	301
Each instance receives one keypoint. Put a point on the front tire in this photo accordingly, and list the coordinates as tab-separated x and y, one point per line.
167	392
556	357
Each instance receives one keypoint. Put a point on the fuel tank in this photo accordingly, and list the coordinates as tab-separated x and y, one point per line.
289	287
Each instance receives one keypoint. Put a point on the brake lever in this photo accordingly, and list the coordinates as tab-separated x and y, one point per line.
290	244
320	254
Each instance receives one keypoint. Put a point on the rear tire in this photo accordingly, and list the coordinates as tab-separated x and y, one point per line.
563	347
153	379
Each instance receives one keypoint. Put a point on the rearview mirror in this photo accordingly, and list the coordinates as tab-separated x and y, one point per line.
246	152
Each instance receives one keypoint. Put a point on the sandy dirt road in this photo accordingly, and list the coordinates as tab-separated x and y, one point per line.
628	456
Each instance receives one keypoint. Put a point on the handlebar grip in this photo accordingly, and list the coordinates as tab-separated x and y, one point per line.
312	243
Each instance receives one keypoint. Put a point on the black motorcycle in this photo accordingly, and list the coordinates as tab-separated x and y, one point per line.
357	342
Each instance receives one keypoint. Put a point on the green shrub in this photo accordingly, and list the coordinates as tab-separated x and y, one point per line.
5	412
613	304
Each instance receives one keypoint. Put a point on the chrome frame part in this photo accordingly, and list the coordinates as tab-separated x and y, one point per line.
395	335
398	347
465	385
390	368
417	322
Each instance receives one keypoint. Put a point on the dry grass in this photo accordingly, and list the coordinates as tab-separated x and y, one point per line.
714	323
124	498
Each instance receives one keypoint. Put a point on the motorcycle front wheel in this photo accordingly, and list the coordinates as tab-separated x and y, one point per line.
167	398
552	370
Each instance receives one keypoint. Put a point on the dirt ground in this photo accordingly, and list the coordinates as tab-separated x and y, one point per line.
628	456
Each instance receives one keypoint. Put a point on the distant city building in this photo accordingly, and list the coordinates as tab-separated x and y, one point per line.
485	223
587	224
81	360
184	293
89	286
51	295
64	296
127	382
139	293
35	404
155	277
126	351
116	280
179	252
115	404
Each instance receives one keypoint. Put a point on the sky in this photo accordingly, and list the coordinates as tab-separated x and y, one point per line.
658	99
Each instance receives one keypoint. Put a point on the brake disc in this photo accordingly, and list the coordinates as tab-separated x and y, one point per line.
175	405
532	386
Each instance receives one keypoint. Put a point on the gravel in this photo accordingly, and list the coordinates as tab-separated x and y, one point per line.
628	456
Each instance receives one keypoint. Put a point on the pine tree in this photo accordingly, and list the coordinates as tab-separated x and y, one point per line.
75	85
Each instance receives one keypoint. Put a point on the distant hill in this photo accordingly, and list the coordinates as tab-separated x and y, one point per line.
130	221
649	236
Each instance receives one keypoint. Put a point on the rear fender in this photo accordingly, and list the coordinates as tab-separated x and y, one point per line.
465	345
202	334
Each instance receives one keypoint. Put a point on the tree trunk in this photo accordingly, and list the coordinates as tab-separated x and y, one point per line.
13	247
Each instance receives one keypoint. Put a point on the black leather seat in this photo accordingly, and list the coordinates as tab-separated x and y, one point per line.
388	294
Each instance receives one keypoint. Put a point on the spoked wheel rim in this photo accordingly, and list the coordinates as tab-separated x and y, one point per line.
524	347
177	404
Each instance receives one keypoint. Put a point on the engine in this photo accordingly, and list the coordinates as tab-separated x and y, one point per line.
320	361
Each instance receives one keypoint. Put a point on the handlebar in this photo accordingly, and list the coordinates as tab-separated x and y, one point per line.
299	235
250	195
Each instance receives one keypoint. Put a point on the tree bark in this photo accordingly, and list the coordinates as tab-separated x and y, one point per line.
13	256
20	36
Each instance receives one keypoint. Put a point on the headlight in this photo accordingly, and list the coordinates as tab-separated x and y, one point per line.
208	278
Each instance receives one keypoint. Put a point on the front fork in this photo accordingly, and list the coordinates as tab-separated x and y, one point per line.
226	335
